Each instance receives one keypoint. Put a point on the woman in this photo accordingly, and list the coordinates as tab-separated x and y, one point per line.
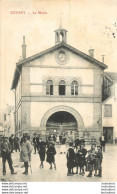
25	154
42	151
51	151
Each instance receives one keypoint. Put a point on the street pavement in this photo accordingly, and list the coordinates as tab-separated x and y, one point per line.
109	169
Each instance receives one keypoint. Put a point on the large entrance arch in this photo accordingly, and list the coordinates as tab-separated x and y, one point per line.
61	121
73	112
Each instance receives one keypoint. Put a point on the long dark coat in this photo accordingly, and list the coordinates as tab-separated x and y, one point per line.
70	158
82	160
51	151
42	150
16	142
98	160
5	149
77	159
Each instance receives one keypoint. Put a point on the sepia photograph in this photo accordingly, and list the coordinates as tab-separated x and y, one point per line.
58	91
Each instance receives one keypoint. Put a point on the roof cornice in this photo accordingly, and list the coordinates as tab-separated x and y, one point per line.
40	54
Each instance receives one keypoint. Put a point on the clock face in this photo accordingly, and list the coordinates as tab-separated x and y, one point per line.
62	57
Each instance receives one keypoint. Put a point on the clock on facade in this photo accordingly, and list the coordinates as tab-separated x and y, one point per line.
62	57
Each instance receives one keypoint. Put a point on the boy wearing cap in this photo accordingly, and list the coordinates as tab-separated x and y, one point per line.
92	160
6	155
82	160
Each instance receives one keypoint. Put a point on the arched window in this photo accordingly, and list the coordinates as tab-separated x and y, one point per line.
49	87
62	87
74	88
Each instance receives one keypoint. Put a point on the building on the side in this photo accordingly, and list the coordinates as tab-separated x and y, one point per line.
109	108
59	90
8	120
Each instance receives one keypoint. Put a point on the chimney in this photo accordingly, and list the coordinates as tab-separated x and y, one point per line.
103	58
91	53
23	49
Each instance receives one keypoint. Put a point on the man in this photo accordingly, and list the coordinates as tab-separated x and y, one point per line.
35	142
11	141
102	142
25	153
16	143
6	155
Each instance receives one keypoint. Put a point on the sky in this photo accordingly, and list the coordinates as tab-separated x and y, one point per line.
90	24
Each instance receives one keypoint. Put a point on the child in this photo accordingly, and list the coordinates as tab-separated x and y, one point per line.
89	164
70	160
82	160
92	159
98	163
51	151
77	148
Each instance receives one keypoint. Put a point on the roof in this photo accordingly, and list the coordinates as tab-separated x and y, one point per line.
62	44
112	75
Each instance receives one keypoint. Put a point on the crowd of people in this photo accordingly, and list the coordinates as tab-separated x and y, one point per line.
78	158
84	160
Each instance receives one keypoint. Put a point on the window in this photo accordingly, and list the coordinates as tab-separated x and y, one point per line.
49	87
107	110
74	88
62	87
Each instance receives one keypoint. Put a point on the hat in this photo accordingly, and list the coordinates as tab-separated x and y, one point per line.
98	146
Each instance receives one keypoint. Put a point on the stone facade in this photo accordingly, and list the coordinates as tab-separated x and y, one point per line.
34	106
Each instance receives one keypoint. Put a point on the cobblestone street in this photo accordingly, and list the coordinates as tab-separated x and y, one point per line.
109	172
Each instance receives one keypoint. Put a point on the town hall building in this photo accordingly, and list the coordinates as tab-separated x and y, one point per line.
59	90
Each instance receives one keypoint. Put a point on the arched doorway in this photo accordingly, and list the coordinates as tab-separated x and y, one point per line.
62	122
65	112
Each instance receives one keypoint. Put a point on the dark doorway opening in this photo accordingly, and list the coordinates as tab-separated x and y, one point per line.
62	121
108	133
